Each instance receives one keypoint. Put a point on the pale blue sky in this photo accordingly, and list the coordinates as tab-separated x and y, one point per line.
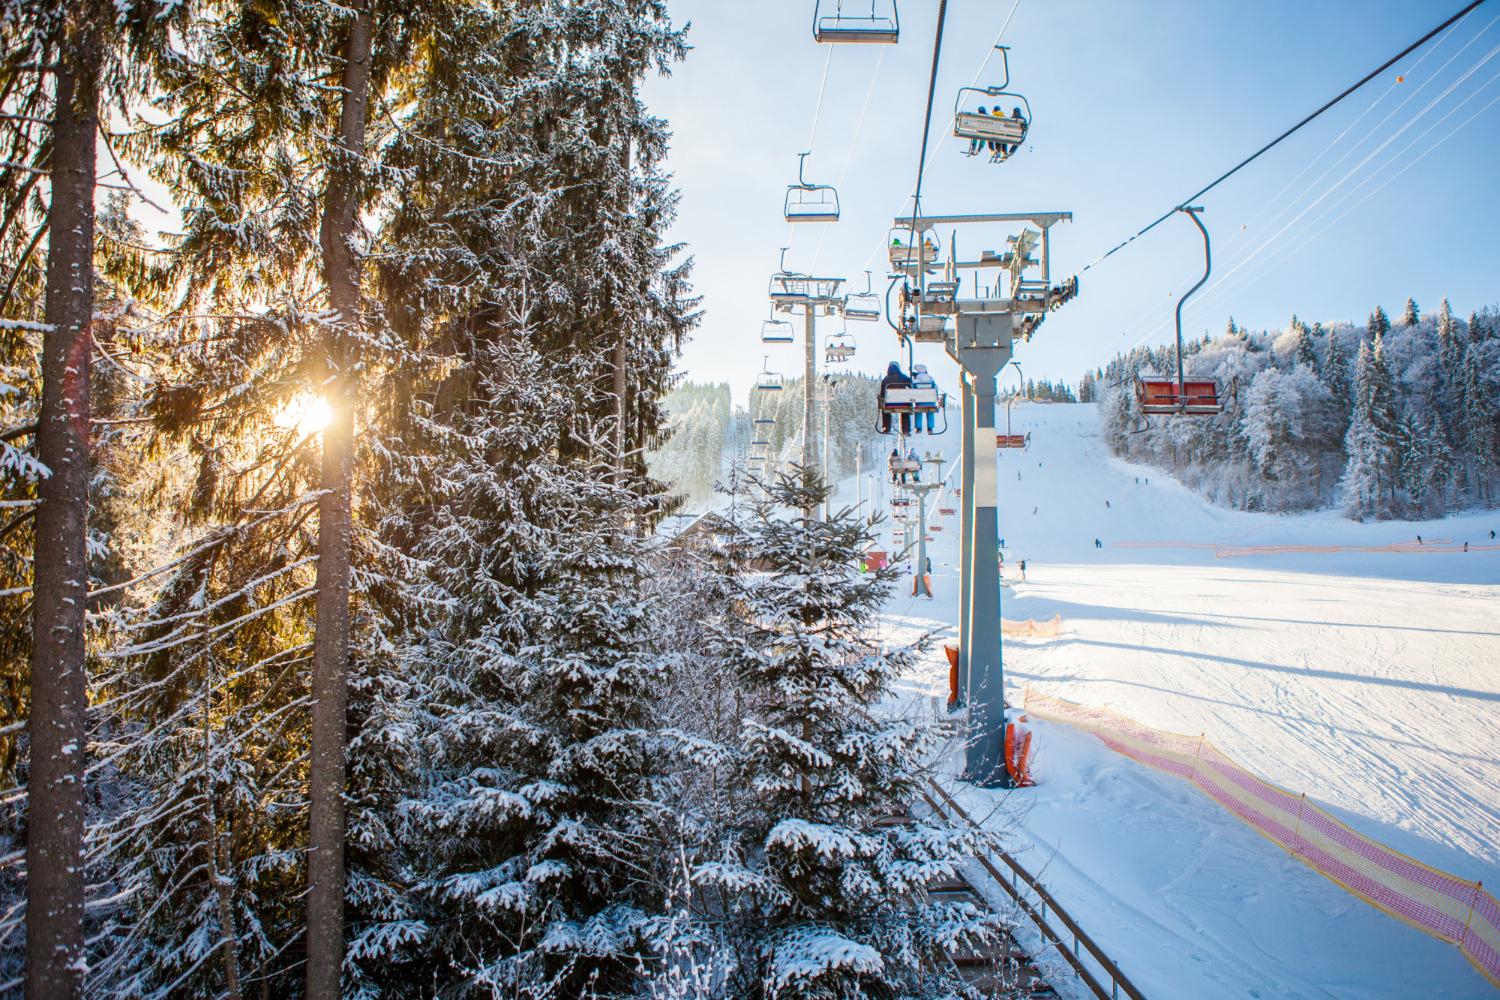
1137	105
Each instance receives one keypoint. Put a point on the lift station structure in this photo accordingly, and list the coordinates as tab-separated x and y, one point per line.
978	323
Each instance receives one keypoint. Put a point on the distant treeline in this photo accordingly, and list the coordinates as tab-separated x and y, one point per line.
1389	420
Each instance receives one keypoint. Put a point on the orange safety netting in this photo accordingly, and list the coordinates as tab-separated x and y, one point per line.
1222	550
1042	630
1448	907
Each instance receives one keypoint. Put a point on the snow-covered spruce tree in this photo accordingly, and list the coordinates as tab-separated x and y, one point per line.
1480	437
1412	315
532	842
811	898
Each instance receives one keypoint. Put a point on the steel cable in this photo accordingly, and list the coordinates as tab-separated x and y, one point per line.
1274	142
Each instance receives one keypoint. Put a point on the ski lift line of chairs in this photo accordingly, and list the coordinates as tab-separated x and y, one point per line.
777	331
875	29
808	202
1159	394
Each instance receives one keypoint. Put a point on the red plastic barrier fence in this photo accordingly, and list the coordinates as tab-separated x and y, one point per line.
1445	906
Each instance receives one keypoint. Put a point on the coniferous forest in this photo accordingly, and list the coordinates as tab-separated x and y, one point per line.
1389	420
340	657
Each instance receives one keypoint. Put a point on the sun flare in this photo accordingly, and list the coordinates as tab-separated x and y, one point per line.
308	414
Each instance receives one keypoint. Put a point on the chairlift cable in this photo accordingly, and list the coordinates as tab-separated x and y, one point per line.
1493	52
860	123
943	138
1350	127
1261	269
1248	279
1268	146
822	87
1407	124
937	51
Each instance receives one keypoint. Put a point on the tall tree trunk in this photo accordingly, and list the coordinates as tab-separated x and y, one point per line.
622	348
325	862
59	689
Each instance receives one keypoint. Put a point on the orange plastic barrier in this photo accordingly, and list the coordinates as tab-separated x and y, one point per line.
1223	550
1040	630
1456	910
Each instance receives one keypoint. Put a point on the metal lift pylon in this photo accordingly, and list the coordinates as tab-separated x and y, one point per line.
981	341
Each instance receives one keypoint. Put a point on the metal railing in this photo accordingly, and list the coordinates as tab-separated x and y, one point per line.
1118	981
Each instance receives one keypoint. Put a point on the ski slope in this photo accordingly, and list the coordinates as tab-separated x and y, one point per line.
1369	681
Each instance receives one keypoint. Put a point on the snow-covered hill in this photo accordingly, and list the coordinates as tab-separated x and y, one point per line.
1367	680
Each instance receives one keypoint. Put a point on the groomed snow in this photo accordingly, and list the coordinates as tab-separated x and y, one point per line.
1370	681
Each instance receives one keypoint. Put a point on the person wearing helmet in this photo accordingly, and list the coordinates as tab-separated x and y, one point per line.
895	378
976	144
921	380
1016	115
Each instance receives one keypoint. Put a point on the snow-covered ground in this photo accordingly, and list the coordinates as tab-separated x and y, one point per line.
1370	681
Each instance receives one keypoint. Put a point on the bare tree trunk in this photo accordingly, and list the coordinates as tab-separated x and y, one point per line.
59	688
341	269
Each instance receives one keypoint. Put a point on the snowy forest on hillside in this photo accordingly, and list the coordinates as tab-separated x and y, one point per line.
1391	420
709	435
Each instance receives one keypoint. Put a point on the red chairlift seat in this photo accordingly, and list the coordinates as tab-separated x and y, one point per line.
947	510
1158	395
1010	440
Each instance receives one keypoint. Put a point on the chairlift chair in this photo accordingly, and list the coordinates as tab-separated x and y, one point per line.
900	504
865	305
769	381
1010	440
839	348
777	331
907	465
808	202
875	29
912	399
1164	394
1159	394
906	255
1002	134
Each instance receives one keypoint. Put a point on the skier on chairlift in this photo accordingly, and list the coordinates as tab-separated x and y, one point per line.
976	144
920	378
1017	116
894	378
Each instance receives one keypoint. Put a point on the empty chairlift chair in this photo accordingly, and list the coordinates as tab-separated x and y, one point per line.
882	26
777	331
864	306
1160	394
1165	394
769	381
808	202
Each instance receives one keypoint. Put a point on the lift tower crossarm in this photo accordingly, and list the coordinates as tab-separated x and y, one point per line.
1044	220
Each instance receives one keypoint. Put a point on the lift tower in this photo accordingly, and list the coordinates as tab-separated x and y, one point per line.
978	330
788	291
